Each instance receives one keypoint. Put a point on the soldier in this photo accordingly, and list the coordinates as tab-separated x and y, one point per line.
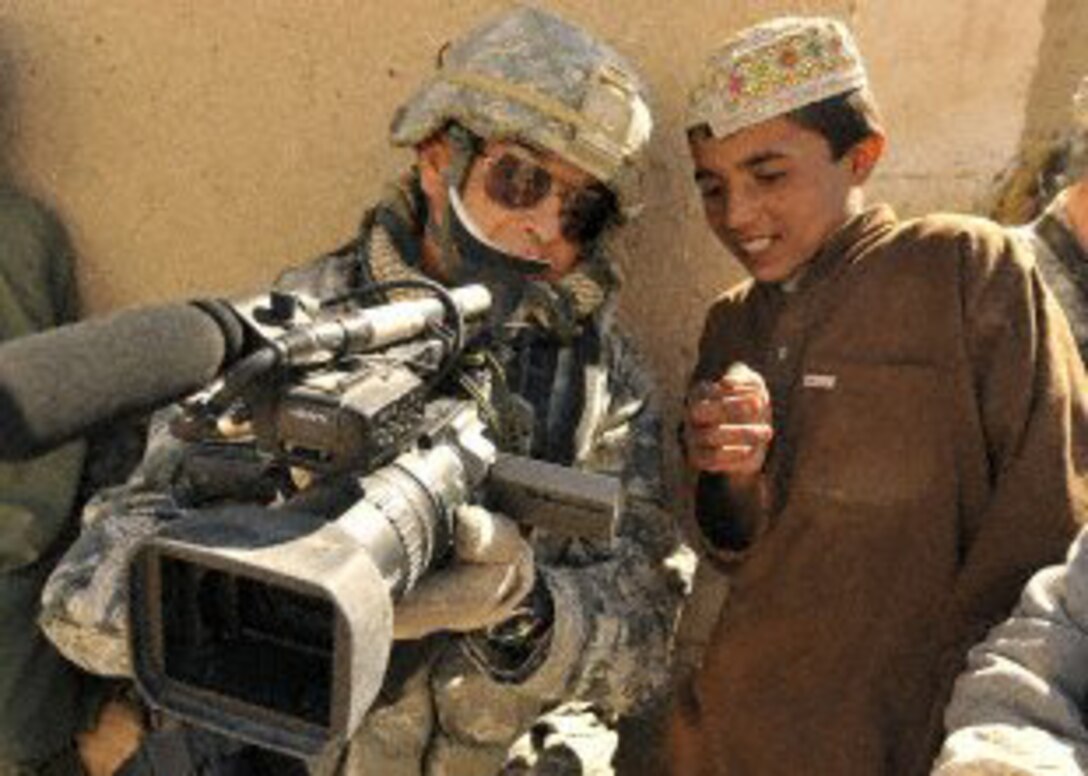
530	140
888	420
1019	707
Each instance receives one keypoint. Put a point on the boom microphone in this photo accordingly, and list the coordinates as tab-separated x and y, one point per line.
61	383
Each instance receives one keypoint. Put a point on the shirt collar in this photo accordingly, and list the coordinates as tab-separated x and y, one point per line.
846	245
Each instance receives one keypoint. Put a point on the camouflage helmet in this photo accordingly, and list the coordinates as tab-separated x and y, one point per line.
529	76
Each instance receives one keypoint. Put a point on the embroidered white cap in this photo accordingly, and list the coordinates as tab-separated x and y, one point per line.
773	68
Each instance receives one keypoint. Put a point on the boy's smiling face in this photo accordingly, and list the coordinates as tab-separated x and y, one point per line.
773	193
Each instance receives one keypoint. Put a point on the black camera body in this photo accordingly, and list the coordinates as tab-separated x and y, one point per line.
354	415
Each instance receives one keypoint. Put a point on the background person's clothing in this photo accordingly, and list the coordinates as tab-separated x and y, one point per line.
1063	261
42	696
1018	709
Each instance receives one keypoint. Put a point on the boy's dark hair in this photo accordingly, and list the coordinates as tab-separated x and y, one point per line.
843	120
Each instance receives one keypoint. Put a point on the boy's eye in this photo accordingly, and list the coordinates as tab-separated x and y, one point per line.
769	176
709	186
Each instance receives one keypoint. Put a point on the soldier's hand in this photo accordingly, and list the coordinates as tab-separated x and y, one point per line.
491	575
115	737
727	423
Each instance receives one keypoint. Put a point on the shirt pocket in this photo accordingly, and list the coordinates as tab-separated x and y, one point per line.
872	436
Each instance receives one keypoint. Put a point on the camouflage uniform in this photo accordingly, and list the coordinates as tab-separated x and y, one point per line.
1063	261
613	607
449	706
41	695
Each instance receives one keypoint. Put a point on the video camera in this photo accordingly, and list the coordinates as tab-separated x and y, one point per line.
273	624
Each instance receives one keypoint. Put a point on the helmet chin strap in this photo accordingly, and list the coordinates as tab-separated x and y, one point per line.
463	145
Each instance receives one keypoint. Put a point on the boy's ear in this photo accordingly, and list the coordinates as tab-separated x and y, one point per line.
865	154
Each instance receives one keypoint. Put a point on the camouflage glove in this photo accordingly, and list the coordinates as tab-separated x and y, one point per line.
85	601
492	574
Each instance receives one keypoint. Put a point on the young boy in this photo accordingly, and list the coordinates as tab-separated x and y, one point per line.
887	420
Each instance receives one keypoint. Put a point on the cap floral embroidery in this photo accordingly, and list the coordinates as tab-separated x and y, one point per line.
772	68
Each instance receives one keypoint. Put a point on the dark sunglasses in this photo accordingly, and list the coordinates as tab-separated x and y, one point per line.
517	183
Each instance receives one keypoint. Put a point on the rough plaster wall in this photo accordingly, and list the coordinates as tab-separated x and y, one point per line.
1063	61
195	147
953	81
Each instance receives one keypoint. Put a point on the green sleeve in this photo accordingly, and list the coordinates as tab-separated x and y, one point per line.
36	291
